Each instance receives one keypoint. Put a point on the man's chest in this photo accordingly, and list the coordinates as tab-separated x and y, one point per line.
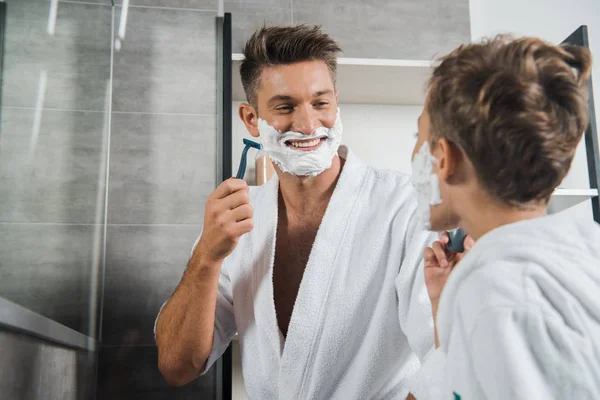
292	251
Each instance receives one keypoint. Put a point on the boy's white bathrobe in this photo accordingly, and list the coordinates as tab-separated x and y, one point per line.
362	319
519	317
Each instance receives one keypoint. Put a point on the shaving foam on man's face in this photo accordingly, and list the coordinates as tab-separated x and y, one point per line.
426	183
300	154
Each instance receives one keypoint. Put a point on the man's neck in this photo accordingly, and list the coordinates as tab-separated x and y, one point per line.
303	195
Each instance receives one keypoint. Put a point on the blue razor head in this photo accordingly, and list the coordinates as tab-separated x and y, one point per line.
242	167
251	143
457	239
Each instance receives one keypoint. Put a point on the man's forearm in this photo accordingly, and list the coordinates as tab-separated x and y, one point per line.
185	327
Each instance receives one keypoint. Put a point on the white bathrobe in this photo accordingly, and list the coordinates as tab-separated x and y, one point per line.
519	317
362	320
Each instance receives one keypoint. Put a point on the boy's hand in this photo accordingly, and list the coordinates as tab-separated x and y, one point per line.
439	263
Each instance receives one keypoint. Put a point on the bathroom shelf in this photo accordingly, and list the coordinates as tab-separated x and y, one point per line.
361	80
17	318
565	198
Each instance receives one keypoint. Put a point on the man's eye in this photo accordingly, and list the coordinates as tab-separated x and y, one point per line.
284	108
321	103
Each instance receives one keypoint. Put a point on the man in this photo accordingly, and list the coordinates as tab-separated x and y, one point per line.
318	270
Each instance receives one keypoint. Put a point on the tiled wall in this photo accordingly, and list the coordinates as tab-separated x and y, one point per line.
53	151
407	29
33	369
162	168
55	146
53	137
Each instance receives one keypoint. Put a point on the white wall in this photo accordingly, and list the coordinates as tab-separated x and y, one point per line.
552	20
381	135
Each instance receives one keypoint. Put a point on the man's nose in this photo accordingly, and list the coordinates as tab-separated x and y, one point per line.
306	121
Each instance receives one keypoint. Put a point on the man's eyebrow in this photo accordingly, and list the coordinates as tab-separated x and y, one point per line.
279	97
322	92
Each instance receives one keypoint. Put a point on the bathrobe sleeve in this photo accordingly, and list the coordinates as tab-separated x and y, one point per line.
414	308
519	353
225	327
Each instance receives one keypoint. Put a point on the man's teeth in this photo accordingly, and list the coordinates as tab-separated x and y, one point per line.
306	143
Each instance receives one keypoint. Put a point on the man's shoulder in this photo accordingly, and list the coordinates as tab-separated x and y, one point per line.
388	181
388	195
391	175
395	190
381	179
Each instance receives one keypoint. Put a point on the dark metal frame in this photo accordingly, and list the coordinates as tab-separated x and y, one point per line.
226	123
580	38
227	98
2	33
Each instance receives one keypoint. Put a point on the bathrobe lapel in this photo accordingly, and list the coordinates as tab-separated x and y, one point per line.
308	315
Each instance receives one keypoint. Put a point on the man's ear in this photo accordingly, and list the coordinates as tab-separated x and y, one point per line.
249	117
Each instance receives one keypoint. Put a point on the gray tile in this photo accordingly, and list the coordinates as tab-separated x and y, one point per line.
162	168
59	372
412	29
143	266
48	269
132	373
66	374
167	62
249	15
58	385
103	2
11	392
76	60
34	369
98	2
20	366
190	4
56	175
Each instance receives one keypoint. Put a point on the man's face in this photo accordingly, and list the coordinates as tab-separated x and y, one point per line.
299	97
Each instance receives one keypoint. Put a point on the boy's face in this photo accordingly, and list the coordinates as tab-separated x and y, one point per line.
442	216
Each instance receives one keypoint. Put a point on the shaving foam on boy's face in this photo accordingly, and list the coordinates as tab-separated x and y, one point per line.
300	154
426	183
